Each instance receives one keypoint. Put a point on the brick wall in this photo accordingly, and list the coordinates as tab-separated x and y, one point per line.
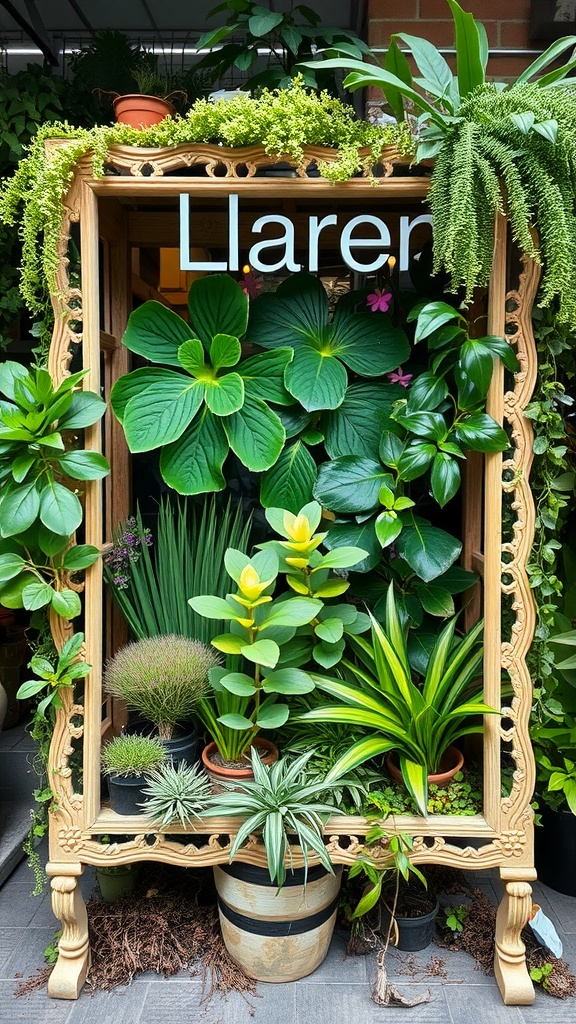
506	23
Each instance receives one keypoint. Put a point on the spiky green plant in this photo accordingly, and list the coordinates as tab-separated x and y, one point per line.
176	793
280	801
152	582
132	755
162	677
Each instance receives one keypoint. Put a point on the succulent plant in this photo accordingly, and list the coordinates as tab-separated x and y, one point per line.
178	793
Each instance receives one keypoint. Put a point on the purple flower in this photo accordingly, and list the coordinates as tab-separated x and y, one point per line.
250	284
379	301
399	377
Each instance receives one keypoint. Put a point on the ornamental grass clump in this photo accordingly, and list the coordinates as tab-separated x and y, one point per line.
132	755
162	677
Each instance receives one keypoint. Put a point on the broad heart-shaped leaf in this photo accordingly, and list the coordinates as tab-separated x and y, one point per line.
288	484
369	344
355	427
84	465
263	22
349	484
263	375
330	630
193	463
66	603
358	534
427	550
52	543
481	433
444	478
156	332
217	305
273	716
263	652
225	350
161	413
10	566
224	395
60	510
18	508
36	595
436	600
316	379
288	680
297	313
255	434
328	655
388	526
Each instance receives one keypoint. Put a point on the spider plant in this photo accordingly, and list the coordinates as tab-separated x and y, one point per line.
419	721
280	801
176	793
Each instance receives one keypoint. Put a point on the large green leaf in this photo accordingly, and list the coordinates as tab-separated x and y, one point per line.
297	312
355	427
19	508
193	463
66	603
132	385
217	305
85	409
427	550
263	375
369	344
156	332
256	435
161	413
469	64
84	465
361	535
224	395
481	433
316	379
288	680
444	478
10	372
431	64
288	484
395	63
60	510
264	22
349	484
10	566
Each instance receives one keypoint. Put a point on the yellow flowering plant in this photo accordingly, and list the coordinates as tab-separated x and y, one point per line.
265	630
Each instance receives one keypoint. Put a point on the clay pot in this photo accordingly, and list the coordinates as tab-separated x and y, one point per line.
451	763
140	111
219	773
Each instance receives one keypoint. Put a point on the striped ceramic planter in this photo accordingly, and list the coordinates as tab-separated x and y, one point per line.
274	936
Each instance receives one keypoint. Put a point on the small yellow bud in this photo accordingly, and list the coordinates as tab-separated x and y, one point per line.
298	563
297	527
250	584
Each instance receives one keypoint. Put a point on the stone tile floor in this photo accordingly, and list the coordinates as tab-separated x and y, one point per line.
339	991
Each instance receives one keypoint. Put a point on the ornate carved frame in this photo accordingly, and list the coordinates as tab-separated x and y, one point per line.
502	837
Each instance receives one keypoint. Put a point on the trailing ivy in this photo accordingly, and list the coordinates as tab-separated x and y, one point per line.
493	160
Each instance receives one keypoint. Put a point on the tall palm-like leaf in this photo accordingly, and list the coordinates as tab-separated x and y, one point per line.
380	697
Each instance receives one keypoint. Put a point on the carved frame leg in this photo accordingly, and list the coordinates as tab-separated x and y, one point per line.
510	952
71	968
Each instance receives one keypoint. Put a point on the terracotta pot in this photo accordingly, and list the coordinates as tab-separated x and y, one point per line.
452	761
141	111
223	773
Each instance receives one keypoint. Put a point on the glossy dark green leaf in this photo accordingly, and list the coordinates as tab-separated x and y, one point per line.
415	460
391	448
430	425
426	393
359	535
349	484
296	313
288	484
133	385
427	550
436	600
217	305
500	347
481	433
193	463
156	332
263	375
396	64
430	317
369	344
444	478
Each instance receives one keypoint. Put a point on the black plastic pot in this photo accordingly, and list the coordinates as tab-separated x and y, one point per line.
126	793
185	746
555	850
414	933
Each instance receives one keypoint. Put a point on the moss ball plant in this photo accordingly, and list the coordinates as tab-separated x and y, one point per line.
162	677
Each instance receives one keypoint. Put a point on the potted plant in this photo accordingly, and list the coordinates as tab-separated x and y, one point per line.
419	723
274	636
126	760
163	678
277	921
115	880
176	793
151	104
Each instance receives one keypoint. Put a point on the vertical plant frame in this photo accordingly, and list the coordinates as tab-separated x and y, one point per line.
503	833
